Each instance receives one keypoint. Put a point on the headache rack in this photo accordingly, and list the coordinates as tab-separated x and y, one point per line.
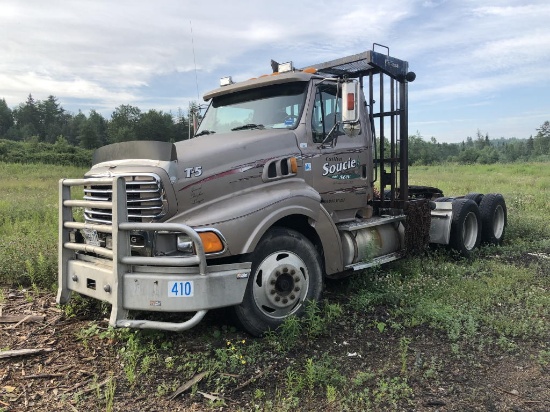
388	79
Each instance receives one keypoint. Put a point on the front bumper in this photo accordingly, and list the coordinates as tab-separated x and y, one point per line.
147	288
151	284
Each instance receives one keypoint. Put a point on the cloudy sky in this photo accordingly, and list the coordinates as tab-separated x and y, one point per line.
480	65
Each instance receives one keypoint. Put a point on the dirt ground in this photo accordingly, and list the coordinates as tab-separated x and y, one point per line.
66	374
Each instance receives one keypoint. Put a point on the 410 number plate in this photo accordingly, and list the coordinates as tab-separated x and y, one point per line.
179	289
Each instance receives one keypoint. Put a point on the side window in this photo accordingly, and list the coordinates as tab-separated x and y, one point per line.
326	111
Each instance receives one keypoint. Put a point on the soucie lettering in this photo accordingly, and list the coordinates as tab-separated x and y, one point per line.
339	167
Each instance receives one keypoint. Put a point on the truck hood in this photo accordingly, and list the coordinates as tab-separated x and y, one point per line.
209	156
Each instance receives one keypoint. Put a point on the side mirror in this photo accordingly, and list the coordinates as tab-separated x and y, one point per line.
350	112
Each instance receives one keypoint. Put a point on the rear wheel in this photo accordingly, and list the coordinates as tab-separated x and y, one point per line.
286	272
493	217
476	197
465	227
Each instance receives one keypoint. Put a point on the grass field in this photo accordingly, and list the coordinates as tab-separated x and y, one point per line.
28	222
405	336
28	209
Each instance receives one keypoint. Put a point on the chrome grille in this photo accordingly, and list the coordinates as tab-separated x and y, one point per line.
145	199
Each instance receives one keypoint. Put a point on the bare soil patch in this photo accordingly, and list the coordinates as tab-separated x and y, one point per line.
72	374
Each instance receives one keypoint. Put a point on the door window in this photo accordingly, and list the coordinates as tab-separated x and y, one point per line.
326	111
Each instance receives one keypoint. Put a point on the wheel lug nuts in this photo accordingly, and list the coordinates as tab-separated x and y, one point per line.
272	281
292	272
285	300
277	298
292	297
277	274
272	291
296	279
296	289
285	270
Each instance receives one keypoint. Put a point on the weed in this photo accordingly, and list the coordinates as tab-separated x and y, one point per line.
131	354
110	389
165	388
544	358
403	353
507	344
432	369
85	334
331	394
333	312
362	378
259	394
313	320
310	374
381	326
391	391
232	357
294	381
289	332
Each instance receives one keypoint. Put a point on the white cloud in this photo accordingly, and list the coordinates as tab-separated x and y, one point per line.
109	53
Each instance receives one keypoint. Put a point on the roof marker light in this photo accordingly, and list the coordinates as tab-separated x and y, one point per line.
226	81
286	67
310	70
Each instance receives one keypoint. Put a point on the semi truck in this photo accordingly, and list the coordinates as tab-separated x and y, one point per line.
292	177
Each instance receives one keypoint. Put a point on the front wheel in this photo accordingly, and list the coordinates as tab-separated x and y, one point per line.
286	272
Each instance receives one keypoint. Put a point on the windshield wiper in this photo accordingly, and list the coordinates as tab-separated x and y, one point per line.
248	126
205	132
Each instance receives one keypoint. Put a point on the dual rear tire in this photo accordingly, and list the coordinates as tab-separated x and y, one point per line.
494	218
477	219
466	227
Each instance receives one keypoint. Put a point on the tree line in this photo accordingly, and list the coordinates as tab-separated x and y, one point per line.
482	149
46	122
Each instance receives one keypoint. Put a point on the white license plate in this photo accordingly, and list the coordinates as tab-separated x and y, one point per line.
91	237
180	289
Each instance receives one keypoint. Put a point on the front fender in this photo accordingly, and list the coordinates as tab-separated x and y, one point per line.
244	217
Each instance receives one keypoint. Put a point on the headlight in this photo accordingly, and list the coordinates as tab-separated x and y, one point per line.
185	244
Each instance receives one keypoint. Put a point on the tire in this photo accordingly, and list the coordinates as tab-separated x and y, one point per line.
476	197
494	218
465	227
286	273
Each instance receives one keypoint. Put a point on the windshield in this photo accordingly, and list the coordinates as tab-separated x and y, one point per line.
272	107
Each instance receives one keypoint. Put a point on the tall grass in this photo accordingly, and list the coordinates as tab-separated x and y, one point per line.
28	208
28	222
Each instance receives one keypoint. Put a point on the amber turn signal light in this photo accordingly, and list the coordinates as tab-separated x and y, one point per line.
211	242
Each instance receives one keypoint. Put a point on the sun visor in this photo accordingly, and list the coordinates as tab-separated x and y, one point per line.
135	150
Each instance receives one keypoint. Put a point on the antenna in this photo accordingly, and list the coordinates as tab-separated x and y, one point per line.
192	115
194	59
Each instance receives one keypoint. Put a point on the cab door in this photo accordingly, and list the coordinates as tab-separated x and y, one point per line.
338	166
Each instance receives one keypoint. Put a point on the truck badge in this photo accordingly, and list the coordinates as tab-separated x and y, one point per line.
193	171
